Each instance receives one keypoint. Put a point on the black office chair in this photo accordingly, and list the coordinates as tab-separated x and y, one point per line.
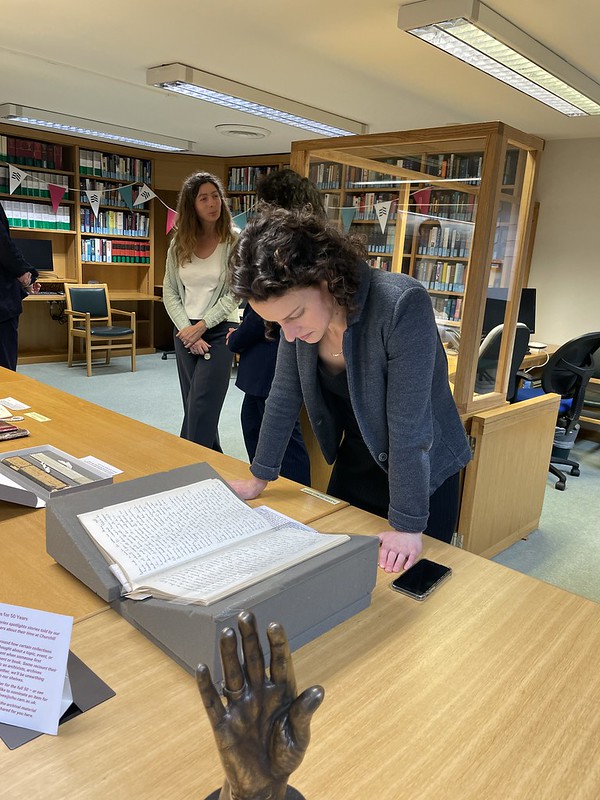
489	353
567	373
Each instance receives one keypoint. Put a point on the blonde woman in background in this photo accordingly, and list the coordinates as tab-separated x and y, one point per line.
199	304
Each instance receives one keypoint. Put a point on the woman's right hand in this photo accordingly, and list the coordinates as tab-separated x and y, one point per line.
248	489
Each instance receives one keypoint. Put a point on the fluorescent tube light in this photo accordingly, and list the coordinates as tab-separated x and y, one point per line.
90	129
223	92
473	33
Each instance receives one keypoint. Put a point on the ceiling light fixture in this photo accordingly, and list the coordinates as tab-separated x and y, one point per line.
91	129
472	32
243	131
215	89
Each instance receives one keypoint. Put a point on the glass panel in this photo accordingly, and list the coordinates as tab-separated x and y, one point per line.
500	291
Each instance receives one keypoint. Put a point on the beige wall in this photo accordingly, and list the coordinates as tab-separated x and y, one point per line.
565	267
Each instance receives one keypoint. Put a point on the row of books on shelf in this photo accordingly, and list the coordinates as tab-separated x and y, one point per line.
380	262
358	175
112	197
30	187
447	308
326	176
448	241
444	276
365	202
35	215
244	179
114	223
29	153
111	165
466	166
240	203
453	205
375	240
115	252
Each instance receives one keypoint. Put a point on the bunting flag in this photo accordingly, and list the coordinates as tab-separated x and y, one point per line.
348	215
241	220
422	198
95	198
56	195
17	176
382	212
145	194
171	219
126	193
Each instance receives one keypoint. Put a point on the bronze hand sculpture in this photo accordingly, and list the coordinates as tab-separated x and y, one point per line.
263	732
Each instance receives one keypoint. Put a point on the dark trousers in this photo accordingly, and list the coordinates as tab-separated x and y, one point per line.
295	464
204	383
374	497
9	343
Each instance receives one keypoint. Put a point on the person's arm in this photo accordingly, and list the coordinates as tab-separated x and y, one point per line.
281	412
172	299
411	344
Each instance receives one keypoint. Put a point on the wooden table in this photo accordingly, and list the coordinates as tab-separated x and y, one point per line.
488	690
29	576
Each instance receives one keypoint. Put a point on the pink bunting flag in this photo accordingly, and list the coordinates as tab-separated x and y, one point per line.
56	195
422	198
171	219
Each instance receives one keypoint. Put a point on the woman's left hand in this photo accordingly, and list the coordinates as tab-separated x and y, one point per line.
399	550
192	334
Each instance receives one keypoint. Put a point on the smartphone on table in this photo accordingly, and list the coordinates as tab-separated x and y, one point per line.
420	580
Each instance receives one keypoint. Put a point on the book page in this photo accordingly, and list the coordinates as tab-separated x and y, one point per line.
168	528
239	566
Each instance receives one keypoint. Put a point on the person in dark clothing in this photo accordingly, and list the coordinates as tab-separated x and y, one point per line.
361	351
17	280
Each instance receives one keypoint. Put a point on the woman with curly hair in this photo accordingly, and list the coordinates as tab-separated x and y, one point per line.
196	297
360	348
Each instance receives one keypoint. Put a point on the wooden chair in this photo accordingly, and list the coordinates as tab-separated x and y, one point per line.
91	321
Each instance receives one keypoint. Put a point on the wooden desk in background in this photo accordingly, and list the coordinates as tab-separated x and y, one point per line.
486	691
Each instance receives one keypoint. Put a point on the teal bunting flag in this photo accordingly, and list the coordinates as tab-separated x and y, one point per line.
348	215
241	220
126	193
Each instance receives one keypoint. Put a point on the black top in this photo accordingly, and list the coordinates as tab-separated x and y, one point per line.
12	265
356	477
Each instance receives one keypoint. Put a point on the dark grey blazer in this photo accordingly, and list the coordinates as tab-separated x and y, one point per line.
398	381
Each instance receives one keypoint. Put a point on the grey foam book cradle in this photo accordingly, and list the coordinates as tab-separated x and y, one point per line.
308	599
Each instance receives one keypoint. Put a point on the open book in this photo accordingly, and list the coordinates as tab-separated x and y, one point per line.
198	543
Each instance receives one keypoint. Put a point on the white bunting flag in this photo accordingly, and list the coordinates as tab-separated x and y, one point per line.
17	176
94	197
145	194
382	212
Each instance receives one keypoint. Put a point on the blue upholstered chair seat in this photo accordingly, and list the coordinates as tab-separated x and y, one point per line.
526	393
111	330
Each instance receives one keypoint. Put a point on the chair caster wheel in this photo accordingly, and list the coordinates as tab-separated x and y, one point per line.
575	472
163	357
560	485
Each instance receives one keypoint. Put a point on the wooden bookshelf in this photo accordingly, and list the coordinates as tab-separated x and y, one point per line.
115	247
459	220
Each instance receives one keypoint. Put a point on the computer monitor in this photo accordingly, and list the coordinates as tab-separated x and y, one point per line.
37	253
495	309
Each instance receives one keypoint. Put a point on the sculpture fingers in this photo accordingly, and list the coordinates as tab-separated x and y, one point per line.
210	696
282	668
300	715
234	679
254	660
